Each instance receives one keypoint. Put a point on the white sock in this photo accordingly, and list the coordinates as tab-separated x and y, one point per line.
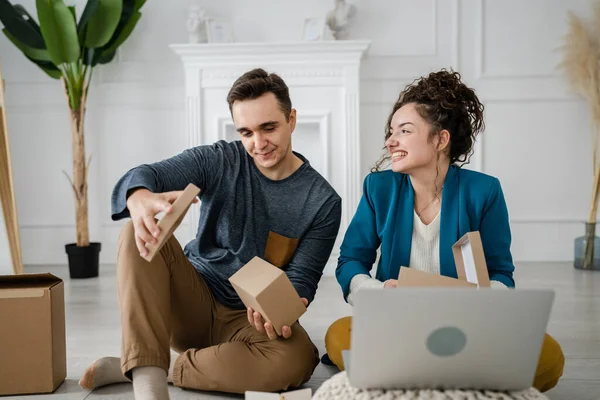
150	383
104	371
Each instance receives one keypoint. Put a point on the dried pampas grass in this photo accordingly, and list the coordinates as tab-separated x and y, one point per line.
581	66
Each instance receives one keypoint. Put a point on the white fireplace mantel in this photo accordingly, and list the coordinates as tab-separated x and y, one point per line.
324	82
350	51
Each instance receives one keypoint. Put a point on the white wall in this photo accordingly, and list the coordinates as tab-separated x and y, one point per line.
536	142
5	260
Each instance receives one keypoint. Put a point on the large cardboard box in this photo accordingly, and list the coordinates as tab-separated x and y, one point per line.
267	289
169	222
33	355
471	267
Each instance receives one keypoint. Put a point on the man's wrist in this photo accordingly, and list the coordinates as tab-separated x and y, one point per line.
131	192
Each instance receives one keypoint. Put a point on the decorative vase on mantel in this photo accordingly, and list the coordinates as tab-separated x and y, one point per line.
587	249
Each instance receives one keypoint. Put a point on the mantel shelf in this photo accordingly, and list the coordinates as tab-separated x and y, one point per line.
323	51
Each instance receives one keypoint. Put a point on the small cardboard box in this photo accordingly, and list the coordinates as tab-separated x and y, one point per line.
267	289
169	222
33	355
471	267
301	394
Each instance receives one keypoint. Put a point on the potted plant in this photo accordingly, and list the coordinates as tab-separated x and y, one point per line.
581	66
69	50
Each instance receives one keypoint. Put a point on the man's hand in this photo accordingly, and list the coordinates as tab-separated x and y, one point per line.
259	323
390	283
143	206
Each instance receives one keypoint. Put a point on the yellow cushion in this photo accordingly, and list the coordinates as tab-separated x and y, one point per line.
338	339
550	366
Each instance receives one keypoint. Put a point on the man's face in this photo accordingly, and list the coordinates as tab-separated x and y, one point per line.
264	130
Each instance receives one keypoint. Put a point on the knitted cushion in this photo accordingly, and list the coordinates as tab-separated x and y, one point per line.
337	387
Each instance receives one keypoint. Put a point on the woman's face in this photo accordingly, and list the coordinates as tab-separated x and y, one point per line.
409	144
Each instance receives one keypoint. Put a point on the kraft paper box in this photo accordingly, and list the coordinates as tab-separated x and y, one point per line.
471	267
415	277
267	289
470	260
33	355
169	222
302	394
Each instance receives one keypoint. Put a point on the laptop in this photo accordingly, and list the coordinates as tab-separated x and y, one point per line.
447	338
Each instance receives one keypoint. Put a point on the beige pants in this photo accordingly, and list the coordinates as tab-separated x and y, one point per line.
166	304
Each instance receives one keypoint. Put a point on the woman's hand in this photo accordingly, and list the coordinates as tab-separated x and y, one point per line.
390	283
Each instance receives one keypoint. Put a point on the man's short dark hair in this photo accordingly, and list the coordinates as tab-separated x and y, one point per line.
258	82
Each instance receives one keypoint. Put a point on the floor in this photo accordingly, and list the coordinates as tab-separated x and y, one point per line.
93	329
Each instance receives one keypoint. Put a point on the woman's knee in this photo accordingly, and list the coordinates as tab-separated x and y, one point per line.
337	339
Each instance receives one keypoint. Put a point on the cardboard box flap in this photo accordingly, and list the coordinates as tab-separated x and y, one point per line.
418	278
45	280
470	259
255	275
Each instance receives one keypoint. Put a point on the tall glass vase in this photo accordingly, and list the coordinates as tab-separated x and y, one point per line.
587	249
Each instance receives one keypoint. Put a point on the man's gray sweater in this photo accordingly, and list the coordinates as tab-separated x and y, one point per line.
239	206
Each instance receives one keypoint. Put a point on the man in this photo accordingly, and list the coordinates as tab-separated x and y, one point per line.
252	191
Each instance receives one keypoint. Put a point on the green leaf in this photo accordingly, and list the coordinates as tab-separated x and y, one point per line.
124	34
94	56
27	17
89	55
50	73
73	12
90	8
128	9
106	57
59	31
50	69
128	21
55	74
30	52
103	23
139	4
19	27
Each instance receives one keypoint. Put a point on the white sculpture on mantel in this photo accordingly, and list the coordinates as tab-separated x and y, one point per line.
196	24
339	18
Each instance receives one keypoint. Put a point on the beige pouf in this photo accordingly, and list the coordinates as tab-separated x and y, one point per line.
337	387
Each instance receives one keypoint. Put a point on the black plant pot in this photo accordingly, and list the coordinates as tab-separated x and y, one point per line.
83	261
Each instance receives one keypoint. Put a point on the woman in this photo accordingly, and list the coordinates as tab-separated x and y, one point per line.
418	210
